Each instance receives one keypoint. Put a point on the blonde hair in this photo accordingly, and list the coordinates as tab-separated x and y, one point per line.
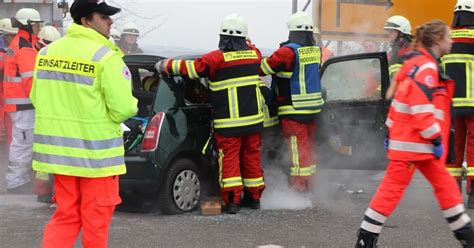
430	32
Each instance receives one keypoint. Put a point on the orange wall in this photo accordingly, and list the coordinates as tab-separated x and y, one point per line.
361	21
421	11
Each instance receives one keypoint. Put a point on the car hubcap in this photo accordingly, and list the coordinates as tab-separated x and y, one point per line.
186	190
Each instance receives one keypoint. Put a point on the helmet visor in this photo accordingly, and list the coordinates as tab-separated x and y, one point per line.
391	25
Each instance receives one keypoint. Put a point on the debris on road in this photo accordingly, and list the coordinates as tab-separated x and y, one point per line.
341	186
211	208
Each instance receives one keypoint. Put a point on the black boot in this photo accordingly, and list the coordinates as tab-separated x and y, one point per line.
366	239
248	201
470	200
465	235
47	198
23	189
231	208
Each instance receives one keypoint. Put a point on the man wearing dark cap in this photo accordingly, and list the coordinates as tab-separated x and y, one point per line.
81	93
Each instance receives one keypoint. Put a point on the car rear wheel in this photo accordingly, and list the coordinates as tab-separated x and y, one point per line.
181	188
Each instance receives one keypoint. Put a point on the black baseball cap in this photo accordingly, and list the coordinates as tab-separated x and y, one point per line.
83	8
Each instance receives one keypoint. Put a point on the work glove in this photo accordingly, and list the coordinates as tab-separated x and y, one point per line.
438	151
385	143
162	66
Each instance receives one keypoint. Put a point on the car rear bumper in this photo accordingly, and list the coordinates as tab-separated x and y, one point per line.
141	176
140	185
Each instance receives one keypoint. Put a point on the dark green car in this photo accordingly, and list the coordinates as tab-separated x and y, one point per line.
167	167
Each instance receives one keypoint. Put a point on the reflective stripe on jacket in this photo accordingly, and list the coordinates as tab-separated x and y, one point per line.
420	110
234	84
270	108
282	63
459	65
81	93
305	81
18	72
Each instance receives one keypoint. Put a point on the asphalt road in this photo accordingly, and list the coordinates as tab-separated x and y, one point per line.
329	217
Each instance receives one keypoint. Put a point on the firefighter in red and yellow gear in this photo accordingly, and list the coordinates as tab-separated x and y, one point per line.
7	33
237	110
459	66
296	67
18	74
418	123
398	29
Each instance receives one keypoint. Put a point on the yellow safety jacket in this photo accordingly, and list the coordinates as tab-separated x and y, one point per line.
81	93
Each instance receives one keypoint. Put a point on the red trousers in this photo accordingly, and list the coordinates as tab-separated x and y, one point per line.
82	203
398	177
240	167
300	139
463	144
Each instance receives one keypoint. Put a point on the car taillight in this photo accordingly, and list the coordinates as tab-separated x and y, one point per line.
152	133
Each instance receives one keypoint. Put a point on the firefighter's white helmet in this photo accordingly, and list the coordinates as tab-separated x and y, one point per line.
464	5
399	23
300	21
130	28
49	33
6	26
115	34
27	15
234	25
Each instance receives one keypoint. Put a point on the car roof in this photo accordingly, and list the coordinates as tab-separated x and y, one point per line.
151	58
142	58
188	56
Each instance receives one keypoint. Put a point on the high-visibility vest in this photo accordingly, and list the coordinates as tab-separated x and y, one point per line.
18	72
305	81
459	65
298	91
81	93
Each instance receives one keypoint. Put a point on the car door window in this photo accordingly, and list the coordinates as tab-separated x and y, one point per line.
353	80
350	125
144	85
196	91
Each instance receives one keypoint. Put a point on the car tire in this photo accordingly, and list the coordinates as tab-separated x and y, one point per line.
181	188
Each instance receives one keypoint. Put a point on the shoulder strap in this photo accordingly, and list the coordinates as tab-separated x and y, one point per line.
293	45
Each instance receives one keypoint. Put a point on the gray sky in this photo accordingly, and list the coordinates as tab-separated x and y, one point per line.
195	24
